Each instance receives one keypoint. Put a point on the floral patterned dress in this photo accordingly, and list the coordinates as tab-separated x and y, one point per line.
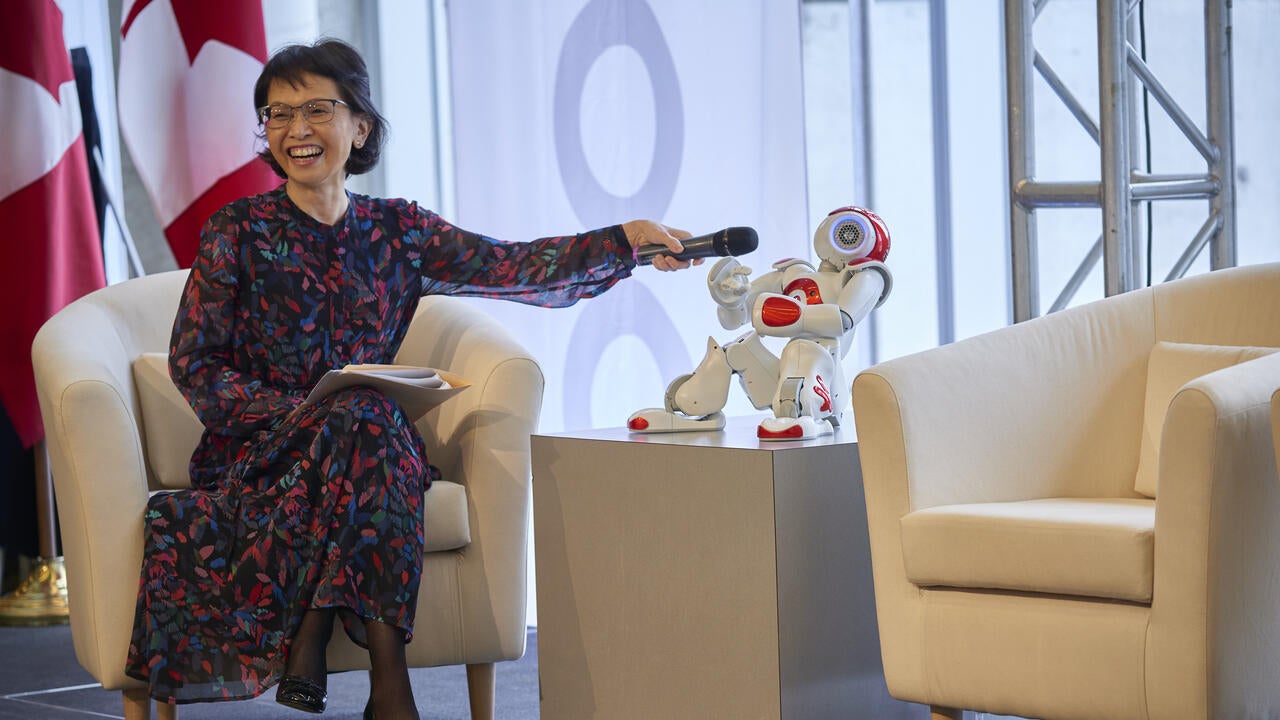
321	507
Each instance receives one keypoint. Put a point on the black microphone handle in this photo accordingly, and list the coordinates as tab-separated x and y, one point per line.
703	246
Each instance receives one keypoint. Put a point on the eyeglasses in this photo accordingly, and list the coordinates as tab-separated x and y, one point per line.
316	112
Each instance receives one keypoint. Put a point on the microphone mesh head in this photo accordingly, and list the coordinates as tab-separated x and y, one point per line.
742	240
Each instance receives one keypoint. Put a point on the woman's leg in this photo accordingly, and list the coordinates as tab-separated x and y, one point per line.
389	690
306	652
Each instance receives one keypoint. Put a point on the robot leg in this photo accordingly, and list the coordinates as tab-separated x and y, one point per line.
757	368
707	389
693	401
805	404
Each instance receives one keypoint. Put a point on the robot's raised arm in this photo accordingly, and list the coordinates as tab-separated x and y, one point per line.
859	291
729	286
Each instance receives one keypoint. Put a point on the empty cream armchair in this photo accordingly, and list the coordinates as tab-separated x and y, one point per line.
1078	516
118	429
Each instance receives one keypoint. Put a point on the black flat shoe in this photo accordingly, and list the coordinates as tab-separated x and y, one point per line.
300	693
368	710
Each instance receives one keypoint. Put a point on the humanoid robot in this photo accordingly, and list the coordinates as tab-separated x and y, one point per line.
817	309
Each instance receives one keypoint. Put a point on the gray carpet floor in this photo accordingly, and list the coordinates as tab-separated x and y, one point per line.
41	680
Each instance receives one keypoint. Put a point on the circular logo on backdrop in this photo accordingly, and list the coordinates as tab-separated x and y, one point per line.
600	26
604	24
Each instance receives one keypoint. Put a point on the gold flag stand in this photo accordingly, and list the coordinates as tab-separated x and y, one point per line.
41	599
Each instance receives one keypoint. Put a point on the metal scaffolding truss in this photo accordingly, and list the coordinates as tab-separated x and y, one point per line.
1122	185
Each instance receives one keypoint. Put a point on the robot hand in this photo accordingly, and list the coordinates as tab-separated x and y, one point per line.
728	282
729	286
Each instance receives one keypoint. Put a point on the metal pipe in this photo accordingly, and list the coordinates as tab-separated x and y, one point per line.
863	148
1137	176
1211	226
1078	277
1120	274
46	517
1218	101
1060	89
1176	113
1120	187
117	214
1088	194
1175	189
1019	108
436	173
1138	116
941	171
1034	194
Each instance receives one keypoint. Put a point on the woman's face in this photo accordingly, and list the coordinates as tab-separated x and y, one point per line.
314	156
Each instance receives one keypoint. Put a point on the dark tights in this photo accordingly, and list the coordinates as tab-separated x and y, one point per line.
389	673
306	653
389	687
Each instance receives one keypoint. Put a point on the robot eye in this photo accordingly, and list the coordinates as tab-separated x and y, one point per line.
848	235
852	236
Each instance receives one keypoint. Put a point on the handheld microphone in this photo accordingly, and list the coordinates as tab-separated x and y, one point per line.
729	241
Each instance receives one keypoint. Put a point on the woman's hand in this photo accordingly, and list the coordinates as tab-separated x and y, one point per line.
648	232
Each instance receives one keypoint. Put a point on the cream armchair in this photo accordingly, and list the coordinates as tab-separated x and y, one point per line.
118	429
1078	516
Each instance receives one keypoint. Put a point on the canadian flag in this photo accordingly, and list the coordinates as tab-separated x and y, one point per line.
185	92
50	253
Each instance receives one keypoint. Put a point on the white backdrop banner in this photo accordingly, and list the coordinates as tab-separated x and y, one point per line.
575	114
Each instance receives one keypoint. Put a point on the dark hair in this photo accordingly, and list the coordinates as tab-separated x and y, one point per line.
341	63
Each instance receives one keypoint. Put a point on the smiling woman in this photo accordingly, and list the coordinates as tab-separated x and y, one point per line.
313	147
317	122
303	514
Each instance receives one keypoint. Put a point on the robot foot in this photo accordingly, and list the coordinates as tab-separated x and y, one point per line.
656	420
797	428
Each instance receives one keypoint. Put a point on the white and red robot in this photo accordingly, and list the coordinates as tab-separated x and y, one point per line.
816	309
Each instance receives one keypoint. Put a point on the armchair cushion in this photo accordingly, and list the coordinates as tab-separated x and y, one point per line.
171	431
446	521
1091	547
1170	366
170	427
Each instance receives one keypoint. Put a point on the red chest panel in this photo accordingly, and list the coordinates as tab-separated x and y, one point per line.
805	290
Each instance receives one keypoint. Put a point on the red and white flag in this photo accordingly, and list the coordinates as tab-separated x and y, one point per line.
185	92
50	253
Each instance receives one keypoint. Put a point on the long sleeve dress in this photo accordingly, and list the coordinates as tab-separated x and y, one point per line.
322	507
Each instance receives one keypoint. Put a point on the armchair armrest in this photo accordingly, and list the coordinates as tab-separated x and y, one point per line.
83	367
1217	524
481	439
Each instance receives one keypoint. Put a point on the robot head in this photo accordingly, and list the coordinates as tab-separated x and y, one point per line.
851	235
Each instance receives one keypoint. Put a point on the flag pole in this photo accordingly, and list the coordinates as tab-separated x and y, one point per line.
116	210
41	599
